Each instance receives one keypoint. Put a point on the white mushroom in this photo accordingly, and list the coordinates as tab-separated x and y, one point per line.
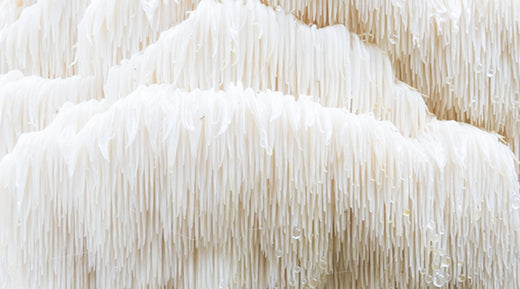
325	171
265	49
463	54
31	103
41	41
206	189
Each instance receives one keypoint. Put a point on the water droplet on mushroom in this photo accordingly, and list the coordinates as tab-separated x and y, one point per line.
278	253
292	282
515	203
297	270
461	278
440	278
450	81
431	225
446	262
491	72
393	39
406	212
398	4
323	263
296	233
313	283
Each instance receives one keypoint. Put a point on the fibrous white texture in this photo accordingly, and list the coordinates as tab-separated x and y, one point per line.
465	55
441	48
265	49
196	190
46	239
173	186
31	103
41	41
10	10
113	30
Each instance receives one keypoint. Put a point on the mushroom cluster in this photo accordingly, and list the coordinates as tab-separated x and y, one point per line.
259	144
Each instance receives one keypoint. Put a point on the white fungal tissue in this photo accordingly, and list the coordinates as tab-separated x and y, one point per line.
232	188
265	49
113	30
10	10
465	55
41	41
31	103
259	144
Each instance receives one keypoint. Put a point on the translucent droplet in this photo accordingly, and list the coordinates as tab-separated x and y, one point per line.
461	278
450	81
393	39
297	270
323	279
440	278
296	233
278	253
491	72
423	271
428	279
406	212
313	283
446	262
323	263
398	4
292	282
515	203
430	225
